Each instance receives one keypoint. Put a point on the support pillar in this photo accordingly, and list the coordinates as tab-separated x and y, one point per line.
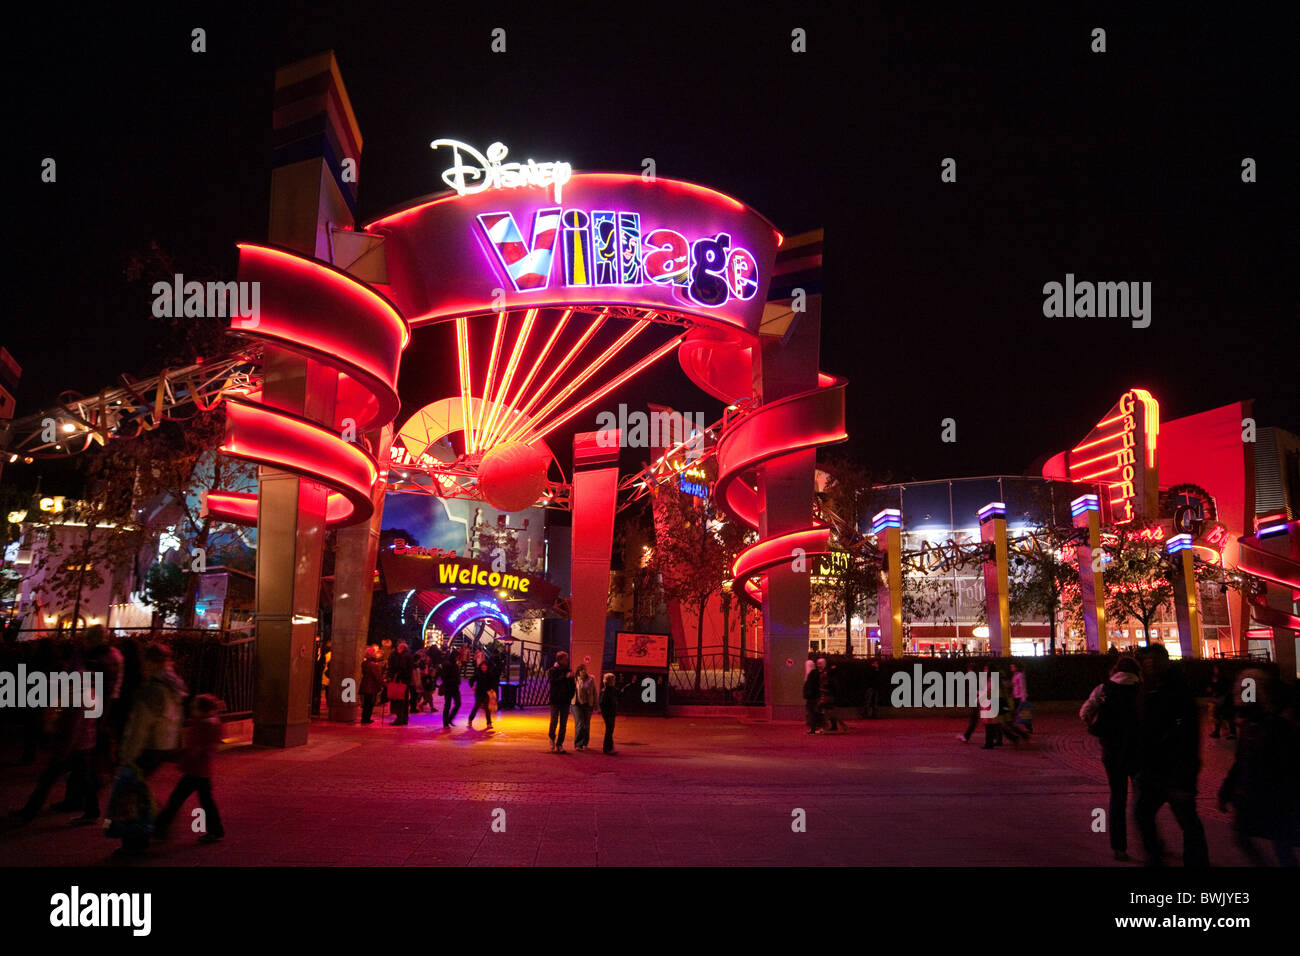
313	124
1086	512
595	489
1186	603
357	550
993	530
887	526
787	366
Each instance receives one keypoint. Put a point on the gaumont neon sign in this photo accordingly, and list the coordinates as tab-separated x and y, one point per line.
489	172
1121	451
610	248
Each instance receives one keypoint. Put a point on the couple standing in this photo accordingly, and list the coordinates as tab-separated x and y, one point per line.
578	690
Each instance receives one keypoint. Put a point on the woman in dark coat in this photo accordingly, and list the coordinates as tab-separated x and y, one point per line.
372	682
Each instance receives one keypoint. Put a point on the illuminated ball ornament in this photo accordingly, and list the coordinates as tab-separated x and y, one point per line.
512	476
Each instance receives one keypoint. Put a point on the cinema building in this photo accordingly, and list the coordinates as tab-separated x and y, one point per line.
1213	484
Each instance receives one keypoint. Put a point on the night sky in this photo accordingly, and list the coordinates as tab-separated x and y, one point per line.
1119	166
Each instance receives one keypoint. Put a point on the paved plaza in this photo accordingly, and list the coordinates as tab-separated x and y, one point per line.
717	791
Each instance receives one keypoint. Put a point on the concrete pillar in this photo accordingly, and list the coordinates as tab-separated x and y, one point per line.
595	491
356	551
313	124
786	485
993	530
1086	511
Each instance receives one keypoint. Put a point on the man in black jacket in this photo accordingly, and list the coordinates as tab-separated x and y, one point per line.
450	680
1169	759
563	687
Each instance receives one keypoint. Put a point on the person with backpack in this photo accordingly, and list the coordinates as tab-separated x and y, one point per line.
1111	715
1169	758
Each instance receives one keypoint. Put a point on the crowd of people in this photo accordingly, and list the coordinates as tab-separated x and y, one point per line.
136	724
1145	717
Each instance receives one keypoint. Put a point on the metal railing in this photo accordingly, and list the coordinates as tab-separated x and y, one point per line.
716	679
209	661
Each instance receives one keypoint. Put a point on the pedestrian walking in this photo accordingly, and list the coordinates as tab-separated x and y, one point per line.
203	736
584	703
372	682
1222	710
1169	758
973	718
1019	692
609	711
449	687
1263	784
812	691
152	735
1111	715
562	684
72	752
485	681
401	675
829	696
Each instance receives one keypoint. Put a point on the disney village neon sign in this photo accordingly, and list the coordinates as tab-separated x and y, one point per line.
598	247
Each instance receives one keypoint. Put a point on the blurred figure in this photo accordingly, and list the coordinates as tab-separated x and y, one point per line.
1169	759
153	726
973	718
196	771
104	657
1111	715
372	682
1263	784
450	688
812	691
1221	703
1019	691
484	680
72	752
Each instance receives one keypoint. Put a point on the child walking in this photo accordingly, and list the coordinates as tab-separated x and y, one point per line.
196	770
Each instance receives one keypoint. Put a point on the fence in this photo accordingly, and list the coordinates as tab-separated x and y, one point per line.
716	679
220	663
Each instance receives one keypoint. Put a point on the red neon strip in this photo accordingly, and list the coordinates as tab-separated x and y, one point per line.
521	421
502	317
601	360
1119	434
534	368
605	389
336	278
462	350
1074	477
496	416
1089	461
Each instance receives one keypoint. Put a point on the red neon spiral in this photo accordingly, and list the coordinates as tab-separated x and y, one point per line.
796	423
318	312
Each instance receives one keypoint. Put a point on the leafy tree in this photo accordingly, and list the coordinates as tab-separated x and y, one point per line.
1044	578
852	575
690	556
1138	586
165	588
